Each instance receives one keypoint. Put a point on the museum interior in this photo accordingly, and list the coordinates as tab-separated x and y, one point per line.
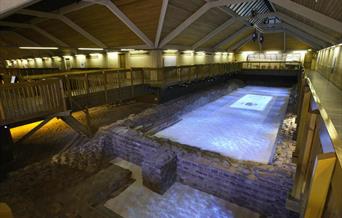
170	108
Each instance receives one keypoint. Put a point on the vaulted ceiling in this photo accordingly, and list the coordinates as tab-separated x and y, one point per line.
150	24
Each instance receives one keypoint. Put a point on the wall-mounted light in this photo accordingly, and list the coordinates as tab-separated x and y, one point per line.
302	52
67	57
127	49
272	52
247	52
112	54
170	51
90	49
95	54
218	53
188	51
135	52
200	53
40	48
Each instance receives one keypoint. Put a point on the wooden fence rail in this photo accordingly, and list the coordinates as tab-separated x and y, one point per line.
272	65
46	93
28	100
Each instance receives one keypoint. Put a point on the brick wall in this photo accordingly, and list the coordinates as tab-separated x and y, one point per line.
260	187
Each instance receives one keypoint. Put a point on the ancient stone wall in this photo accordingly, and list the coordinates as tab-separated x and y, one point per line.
260	187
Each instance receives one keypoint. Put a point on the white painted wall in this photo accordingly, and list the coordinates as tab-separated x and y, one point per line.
155	58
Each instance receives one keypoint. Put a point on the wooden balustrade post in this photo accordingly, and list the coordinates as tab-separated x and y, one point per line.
132	83
302	124
62	95
306	141
68	90
87	87
104	74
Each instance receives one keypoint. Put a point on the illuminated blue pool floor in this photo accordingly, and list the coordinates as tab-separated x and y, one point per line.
242	125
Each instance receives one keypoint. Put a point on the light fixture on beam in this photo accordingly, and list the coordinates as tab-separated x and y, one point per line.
39	48
90	49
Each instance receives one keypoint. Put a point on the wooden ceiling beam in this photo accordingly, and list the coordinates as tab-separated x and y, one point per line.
31	42
304	36
119	14
180	28
65	20
310	14
243	20
319	34
12	6
161	22
202	10
311	30
306	41
240	43
37	29
214	33
231	37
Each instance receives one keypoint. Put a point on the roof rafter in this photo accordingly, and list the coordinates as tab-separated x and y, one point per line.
119	14
231	37
202	10
214	33
306	28
304	35
161	22
240	43
67	21
305	40
37	29
26	39
310	14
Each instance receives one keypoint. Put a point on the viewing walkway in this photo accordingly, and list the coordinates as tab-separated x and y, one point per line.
330	98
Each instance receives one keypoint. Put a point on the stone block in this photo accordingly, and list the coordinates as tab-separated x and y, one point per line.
159	171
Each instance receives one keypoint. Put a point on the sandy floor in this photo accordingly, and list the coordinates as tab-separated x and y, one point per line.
242	125
55	135
180	201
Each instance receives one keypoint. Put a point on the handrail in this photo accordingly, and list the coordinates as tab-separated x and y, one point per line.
333	134
318	145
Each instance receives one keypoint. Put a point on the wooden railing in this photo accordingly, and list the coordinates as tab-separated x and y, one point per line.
28	71
28	100
168	76
271	65
319	174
